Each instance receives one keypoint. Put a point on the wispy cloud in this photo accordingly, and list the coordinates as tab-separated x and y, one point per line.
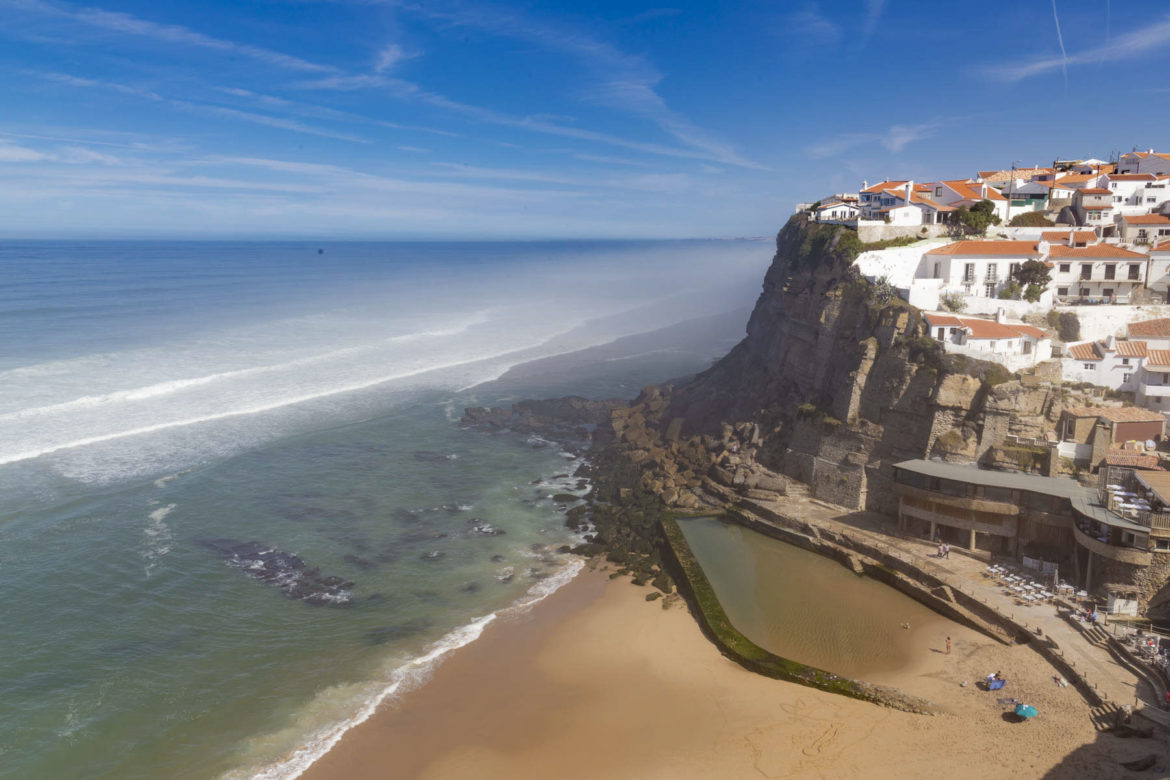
192	106
390	56
895	139
873	13
128	25
624	81
1152	37
11	153
810	26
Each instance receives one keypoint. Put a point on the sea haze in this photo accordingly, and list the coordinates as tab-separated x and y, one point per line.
236	507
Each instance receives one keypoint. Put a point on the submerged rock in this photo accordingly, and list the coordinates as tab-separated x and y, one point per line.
286	571
483	528
434	457
433	555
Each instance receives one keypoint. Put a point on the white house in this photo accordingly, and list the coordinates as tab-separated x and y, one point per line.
902	203
1143	228
1156	332
1112	363
1153	386
1070	237
1097	273
979	268
1097	203
1012	344
963	192
1093	166
1158	270
1148	161
836	212
1137	193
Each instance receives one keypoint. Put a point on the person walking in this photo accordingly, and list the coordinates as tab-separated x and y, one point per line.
946	550
948	645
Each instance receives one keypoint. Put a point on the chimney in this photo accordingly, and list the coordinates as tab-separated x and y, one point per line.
1001	315
1109	343
909	189
864	184
1042	246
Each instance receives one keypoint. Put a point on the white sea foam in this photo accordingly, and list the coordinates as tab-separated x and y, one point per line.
404	678
158	538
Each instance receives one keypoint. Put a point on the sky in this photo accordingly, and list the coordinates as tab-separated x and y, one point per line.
381	119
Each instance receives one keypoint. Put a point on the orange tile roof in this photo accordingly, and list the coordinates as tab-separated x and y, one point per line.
885	185
969	189
1097	250
987	248
1077	178
1062	235
1130	348
1095	191
916	198
1136	460
1132	177
1161	246
1085	351
1158	358
980	328
1148	219
1150	329
1117	414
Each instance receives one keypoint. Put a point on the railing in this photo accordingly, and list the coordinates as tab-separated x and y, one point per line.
1156	520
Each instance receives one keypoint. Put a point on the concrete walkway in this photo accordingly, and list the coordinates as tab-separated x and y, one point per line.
1096	666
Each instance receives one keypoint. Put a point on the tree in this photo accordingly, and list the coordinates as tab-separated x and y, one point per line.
1030	219
977	219
1033	276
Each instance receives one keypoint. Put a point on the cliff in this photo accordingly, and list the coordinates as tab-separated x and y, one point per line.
835	381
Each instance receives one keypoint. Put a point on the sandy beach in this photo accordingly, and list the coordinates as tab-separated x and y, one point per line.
597	682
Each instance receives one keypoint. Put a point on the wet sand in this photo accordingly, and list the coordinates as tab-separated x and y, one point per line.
596	682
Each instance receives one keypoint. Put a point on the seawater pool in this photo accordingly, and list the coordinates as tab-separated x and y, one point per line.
811	609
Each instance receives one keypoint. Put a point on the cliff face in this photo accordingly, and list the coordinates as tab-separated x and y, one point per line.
835	381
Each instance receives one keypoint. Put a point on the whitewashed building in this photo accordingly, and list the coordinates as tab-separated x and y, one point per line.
964	192
1097	203
836	212
1158	270
1112	363
1096	273
1137	193
1011	344
1143	229
1148	161
979	268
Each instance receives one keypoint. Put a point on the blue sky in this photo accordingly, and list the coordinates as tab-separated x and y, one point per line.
371	119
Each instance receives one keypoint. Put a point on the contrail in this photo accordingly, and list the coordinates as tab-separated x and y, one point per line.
1060	40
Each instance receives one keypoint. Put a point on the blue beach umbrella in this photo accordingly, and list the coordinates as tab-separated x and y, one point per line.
1026	711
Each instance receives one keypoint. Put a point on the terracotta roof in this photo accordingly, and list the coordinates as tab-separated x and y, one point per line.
969	189
1130	348
1095	191
987	248
1097	250
1136	460
1150	329
980	328
1159	358
1086	350
1147	219
1117	414
1132	177
1161	246
1077	178
1062	235
885	185
916	198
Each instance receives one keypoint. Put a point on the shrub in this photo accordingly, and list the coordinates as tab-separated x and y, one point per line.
1066	324
952	302
1030	219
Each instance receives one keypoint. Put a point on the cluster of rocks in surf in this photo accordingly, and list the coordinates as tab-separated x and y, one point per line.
295	578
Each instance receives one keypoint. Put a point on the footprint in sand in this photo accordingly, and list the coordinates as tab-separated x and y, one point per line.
822	743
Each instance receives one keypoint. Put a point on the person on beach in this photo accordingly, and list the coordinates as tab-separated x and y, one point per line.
948	645
946	550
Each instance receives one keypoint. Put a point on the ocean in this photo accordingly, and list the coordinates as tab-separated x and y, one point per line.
237	509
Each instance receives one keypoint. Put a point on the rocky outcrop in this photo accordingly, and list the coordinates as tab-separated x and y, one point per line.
836	381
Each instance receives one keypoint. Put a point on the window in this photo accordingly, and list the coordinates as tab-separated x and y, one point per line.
937	269
989	289
1151	200
969	272
942	334
1107	292
1065	268
1116	198
1135	271
1013	269
1165	378
1110	271
1088	366
1125	378
991	272
1086	270
1125	361
1062	292
1084	292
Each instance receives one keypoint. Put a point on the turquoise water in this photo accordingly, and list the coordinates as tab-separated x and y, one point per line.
157	397
811	609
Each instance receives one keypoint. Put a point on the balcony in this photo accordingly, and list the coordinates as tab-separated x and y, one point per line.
1154	390
1130	555
958	502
